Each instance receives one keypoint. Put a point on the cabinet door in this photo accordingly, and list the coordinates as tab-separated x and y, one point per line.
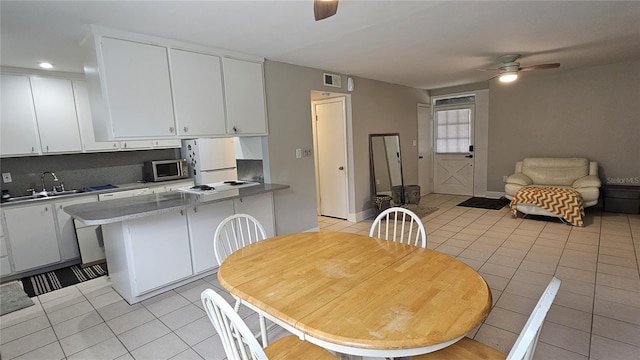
203	221
32	236
244	97
138	89
197	93
19	133
56	115
260	207
89	143
5	265
67	230
159	250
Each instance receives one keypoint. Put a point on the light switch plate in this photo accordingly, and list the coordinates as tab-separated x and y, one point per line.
6	178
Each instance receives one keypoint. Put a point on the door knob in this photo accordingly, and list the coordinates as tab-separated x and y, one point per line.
420	157
470	156
341	168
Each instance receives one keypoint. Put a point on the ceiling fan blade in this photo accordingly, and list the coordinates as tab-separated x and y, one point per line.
485	69
323	9
540	67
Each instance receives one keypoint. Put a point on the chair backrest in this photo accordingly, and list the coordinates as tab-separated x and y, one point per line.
237	339
235	232
399	225
525	344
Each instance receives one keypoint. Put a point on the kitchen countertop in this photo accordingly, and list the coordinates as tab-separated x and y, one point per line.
106	212
118	188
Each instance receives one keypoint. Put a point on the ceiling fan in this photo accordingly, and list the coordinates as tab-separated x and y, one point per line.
509	68
323	9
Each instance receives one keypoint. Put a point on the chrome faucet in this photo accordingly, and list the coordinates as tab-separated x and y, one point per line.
55	178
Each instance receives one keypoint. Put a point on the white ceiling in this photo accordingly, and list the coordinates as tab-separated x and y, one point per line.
424	44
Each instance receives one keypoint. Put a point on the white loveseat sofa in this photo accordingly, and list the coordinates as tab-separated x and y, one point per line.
575	173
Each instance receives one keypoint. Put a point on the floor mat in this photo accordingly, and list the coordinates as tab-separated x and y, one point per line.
485	203
58	279
420	210
13	298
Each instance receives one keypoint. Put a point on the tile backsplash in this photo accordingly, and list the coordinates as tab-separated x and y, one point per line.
77	171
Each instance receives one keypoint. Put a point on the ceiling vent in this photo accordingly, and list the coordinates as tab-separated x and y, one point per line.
331	80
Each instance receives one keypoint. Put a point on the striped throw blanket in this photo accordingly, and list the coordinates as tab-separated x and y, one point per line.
566	203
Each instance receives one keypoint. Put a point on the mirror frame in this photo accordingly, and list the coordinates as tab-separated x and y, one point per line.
372	166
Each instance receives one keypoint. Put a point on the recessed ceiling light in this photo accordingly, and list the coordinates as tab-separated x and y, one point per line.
46	65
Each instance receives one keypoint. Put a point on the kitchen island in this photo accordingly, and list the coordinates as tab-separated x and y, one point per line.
155	243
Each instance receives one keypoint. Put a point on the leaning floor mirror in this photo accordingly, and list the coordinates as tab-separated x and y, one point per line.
386	166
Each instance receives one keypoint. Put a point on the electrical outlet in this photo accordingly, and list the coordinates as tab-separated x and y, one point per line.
6	178
504	178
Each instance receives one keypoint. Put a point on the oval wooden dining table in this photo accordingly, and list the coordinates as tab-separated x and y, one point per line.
357	295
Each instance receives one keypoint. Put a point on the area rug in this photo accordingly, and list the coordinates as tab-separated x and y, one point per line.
420	210
485	203
58	279
13	298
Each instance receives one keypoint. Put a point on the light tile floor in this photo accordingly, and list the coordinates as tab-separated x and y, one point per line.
596	314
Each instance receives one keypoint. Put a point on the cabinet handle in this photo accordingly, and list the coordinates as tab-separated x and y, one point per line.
47	148
185	129
125	145
115	145
235	129
33	149
171	129
181	212
46	209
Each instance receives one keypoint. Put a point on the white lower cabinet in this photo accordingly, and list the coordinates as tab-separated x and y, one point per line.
67	229
260	207
5	263
159	250
203	221
32	235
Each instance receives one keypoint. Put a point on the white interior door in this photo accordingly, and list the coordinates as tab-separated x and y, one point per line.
331	157
453	158
425	150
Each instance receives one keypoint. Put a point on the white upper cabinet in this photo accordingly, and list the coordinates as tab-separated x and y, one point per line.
19	133
244	97
89	144
142	87
137	90
38	116
197	93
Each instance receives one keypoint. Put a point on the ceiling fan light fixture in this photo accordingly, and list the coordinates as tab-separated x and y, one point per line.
508	76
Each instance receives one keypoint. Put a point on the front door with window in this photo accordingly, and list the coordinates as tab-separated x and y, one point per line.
453	158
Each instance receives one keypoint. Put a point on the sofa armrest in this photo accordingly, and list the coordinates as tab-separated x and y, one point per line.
519	179
587	181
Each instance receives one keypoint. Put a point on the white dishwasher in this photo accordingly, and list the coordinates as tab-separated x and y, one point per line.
90	240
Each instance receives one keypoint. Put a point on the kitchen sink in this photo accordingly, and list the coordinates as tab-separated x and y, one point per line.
42	195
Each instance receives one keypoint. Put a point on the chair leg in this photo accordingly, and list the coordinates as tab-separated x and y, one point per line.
263	330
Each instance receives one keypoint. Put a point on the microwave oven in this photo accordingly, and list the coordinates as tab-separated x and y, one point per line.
163	170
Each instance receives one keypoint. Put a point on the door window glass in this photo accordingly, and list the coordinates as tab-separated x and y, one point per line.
453	131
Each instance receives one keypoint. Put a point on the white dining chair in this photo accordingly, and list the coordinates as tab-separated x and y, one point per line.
400	225
524	346
240	344
235	232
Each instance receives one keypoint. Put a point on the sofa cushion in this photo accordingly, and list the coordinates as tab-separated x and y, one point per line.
555	171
